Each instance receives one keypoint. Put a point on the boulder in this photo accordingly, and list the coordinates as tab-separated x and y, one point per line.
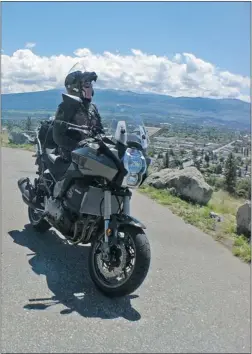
243	219
18	138
188	183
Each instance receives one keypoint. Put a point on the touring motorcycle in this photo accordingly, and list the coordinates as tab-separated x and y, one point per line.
87	199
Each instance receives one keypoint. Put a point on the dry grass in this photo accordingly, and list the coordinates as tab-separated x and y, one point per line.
224	203
4	138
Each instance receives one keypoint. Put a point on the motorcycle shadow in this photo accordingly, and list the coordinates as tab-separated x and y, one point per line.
66	271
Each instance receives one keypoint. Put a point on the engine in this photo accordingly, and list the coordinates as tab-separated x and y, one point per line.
59	217
74	196
77	229
54	208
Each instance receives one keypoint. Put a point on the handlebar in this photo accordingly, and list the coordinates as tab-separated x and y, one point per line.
80	130
77	126
91	131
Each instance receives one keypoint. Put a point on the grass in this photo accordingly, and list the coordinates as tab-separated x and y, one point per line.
241	249
221	203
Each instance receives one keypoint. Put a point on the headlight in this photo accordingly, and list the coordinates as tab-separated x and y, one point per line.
135	164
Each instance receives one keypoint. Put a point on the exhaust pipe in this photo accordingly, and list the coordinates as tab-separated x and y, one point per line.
27	191
32	206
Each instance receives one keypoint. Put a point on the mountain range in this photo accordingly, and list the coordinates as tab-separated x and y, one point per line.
153	107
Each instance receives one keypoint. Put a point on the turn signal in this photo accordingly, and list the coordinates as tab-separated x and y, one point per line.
108	232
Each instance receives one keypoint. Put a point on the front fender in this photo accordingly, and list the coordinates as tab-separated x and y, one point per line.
128	220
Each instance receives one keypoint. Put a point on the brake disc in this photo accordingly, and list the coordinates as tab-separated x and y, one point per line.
107	270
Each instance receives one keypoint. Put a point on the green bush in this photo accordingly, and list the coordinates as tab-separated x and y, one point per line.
219	183
242	193
244	185
211	181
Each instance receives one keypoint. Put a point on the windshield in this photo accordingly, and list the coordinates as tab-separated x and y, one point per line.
127	127
77	67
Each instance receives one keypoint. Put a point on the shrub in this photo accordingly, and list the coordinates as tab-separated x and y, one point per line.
242	193
244	185
211	180
219	183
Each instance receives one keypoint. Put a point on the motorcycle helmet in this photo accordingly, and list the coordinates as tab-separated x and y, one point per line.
78	82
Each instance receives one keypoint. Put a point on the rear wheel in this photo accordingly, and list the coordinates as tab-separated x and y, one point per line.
37	221
129	267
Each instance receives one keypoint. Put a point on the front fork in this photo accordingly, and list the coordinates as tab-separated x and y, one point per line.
107	214
110	224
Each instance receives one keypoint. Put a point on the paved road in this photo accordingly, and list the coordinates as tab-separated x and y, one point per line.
195	299
224	146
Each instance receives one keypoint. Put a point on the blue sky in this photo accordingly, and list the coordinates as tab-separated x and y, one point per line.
215	32
193	49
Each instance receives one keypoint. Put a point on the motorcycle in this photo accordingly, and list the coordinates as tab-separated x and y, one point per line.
88	201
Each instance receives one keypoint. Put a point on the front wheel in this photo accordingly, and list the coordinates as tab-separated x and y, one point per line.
123	274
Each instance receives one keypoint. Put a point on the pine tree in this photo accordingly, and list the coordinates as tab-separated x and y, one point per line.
218	169
211	155
182	152
207	159
28	124
195	154
230	173
166	160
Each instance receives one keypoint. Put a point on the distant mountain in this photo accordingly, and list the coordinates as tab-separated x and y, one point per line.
158	108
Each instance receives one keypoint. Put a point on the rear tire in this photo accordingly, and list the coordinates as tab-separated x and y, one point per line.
140	270
38	223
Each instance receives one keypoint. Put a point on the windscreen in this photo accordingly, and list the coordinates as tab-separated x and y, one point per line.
128	127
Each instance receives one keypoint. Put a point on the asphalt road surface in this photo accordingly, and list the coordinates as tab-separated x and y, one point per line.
196	297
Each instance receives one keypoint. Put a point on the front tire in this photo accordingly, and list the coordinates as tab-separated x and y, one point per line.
37	222
139	272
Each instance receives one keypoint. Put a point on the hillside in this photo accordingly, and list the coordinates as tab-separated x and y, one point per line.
153	107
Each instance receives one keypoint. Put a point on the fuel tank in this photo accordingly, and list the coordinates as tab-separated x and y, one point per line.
92	164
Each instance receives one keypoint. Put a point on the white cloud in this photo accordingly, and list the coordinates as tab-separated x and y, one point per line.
182	75
30	45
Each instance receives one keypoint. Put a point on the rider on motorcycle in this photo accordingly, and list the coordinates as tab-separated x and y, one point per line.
77	109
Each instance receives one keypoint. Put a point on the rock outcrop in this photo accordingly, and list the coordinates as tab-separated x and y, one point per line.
18	138
188	183
243	219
